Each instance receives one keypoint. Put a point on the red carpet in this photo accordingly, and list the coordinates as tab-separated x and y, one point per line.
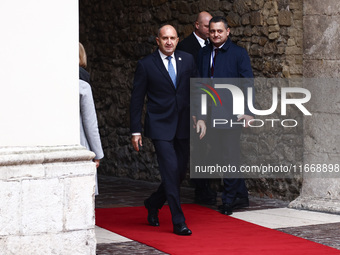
213	233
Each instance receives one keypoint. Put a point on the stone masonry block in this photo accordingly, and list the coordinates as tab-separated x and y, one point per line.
79	242
273	36
10	214
70	243
256	19
285	18
22	245
42	206
290	42
274	28
233	19
24	171
79	204
245	19
70	169
272	21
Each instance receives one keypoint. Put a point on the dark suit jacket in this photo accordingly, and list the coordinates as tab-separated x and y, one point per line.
232	61
168	112
191	45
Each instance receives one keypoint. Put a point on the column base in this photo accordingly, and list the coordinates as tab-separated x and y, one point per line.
316	204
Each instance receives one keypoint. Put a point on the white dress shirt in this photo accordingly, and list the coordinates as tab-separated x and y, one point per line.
200	40
166	61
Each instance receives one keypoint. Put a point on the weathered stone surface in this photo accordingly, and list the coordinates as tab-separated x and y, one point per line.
293	50
241	6
225	5
325	97
233	19
10	209
318	204
325	45
208	5
256	50
256	4
245	19
248	31
71	243
322	68
270	48
328	7
272	21
274	28
283	4
40	219
320	192
291	42
256	19
79	201
285	18
321	134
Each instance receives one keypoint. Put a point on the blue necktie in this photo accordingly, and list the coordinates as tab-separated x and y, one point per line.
171	70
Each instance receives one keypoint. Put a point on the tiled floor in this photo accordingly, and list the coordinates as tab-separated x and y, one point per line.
118	192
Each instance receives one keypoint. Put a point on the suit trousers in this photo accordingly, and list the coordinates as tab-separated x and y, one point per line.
172	157
227	144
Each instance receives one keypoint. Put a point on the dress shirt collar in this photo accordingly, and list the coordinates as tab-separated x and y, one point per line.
166	62
200	40
163	56
218	47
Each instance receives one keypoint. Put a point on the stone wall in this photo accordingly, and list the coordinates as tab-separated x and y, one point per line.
47	201
117	34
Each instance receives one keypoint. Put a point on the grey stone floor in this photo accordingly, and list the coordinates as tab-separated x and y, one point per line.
121	192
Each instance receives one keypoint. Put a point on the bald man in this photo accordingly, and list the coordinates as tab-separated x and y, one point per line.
197	39
164	77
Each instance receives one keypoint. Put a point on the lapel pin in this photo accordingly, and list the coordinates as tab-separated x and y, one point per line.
179	59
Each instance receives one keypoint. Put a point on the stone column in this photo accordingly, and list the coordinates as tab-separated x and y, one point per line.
47	201
321	130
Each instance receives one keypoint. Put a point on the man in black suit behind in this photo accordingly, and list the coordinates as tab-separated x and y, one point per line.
164	77
192	44
197	39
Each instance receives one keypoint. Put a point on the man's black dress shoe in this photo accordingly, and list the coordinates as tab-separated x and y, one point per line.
182	229
240	202
152	214
226	209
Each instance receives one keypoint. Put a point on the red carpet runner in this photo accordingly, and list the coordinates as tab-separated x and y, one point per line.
213	233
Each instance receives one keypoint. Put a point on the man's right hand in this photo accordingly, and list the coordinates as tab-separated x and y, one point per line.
201	128
136	141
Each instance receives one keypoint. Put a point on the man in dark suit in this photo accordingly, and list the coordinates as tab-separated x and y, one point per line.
164	77
192	44
197	39
224	59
